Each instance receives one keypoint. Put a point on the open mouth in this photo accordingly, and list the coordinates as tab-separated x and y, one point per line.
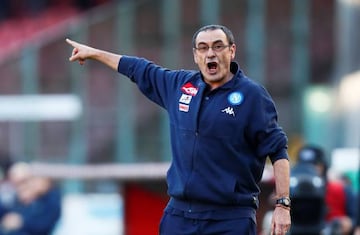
212	66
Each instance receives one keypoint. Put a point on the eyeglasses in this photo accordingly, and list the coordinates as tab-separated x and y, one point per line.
216	48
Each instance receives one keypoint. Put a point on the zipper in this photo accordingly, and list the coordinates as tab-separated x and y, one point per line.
201	87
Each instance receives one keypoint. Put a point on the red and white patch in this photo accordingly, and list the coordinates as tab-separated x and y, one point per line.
184	107
189	89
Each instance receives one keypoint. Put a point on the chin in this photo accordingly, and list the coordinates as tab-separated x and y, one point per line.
213	79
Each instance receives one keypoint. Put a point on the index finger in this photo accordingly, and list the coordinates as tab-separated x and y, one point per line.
71	42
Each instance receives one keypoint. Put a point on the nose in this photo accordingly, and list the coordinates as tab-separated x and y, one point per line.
210	52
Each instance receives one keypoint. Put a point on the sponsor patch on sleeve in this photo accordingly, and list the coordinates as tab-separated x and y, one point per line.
184	107
189	89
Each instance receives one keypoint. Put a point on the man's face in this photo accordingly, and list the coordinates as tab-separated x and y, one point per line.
213	55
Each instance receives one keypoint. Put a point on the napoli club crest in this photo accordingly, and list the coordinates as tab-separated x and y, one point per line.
235	98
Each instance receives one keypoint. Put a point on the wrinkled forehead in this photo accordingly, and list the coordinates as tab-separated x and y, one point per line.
211	36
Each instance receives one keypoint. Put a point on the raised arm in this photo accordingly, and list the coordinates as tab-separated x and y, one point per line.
83	52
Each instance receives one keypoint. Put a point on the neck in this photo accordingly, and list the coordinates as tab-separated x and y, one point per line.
215	84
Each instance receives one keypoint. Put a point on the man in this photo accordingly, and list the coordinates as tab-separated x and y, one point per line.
338	198
223	127
33	205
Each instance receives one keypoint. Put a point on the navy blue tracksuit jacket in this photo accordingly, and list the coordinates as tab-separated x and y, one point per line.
220	139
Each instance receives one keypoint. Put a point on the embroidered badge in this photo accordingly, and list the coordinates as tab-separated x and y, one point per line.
235	98
229	110
185	99
189	89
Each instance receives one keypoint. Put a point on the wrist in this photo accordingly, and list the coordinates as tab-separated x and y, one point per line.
284	202
283	207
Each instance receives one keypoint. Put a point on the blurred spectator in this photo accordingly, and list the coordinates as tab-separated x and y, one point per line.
339	198
32	205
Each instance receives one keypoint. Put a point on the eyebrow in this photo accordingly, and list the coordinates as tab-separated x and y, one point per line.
214	42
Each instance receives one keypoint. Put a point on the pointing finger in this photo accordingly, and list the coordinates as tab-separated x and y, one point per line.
71	42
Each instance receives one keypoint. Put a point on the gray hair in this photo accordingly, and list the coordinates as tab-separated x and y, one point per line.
228	33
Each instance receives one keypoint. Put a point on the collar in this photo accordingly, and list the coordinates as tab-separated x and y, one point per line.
234	68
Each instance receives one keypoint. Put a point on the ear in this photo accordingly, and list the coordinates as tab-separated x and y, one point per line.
195	56
233	51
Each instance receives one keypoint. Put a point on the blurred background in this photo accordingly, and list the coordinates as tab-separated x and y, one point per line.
107	147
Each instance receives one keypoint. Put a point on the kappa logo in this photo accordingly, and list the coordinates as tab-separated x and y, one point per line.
189	89
229	110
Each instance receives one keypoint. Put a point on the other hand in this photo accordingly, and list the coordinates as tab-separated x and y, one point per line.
281	221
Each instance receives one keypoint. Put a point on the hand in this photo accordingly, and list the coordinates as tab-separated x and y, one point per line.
12	221
281	221
346	224
357	231
80	52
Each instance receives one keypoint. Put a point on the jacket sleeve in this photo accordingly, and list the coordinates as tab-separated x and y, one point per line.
266	135
155	82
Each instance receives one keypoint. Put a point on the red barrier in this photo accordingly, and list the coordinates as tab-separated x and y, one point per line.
144	205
